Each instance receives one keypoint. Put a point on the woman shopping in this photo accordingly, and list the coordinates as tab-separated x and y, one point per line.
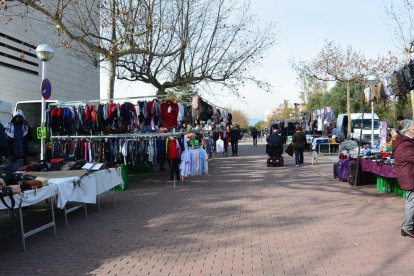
403	149
299	144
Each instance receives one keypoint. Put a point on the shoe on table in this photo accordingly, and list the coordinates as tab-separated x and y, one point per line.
407	233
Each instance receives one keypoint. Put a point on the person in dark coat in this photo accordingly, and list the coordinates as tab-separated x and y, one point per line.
275	138
235	133
299	143
254	133
3	142
403	149
18	134
274	143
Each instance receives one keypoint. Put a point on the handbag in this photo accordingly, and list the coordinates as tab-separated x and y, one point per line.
32	184
290	150
7	191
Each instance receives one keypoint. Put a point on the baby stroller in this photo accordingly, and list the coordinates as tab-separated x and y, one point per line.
274	151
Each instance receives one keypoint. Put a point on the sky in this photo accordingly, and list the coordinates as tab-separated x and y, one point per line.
302	26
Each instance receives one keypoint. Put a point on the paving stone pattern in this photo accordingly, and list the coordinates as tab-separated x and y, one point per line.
241	219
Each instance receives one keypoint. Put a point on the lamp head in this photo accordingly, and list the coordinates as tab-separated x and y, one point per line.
44	52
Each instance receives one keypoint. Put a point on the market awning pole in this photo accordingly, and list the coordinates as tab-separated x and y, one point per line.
408	52
42	117
372	123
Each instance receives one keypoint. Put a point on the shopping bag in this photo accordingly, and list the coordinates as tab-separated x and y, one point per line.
219	145
290	150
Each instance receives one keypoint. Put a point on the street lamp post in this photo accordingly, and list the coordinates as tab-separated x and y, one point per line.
44	52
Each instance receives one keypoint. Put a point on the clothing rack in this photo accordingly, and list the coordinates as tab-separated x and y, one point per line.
130	135
68	103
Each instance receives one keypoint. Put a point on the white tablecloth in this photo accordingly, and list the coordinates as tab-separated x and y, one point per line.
85	189
30	197
106	180
78	189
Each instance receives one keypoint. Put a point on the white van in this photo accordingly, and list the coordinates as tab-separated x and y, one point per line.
32	112
356	122
5	112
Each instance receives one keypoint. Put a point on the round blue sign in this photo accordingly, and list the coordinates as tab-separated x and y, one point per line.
46	88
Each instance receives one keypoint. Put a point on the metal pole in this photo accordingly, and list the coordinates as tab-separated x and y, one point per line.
372	123
408	55
43	121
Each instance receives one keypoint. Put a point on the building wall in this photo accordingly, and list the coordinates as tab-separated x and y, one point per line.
20	70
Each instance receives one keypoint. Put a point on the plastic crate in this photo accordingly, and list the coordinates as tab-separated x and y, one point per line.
385	185
124	175
400	192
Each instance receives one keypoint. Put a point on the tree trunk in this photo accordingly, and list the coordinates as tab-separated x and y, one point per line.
111	79
348	109
161	91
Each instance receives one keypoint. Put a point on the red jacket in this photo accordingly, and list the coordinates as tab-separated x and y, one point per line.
173	149
169	113
403	149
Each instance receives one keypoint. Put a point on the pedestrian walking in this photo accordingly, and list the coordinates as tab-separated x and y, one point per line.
235	134
403	149
299	144
216	136
225	136
254	134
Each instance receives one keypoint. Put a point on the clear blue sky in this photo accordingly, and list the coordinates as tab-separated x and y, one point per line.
303	26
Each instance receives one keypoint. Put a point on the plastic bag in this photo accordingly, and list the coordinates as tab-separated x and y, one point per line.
219	145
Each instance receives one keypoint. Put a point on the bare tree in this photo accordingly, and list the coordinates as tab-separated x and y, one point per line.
103	30
309	85
240	118
342	65
401	14
222	44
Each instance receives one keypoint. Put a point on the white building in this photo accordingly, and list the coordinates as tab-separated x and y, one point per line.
20	70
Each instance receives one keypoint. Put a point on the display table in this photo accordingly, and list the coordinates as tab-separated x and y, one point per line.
378	168
69	186
81	186
29	198
329	146
318	141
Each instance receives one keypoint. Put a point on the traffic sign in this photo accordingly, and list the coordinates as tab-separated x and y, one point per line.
46	88
41	132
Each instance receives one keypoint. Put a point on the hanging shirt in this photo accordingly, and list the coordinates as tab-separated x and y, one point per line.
169	114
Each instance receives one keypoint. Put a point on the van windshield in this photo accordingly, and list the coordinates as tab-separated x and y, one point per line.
32	112
367	123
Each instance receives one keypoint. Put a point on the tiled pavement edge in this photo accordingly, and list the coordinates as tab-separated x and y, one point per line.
241	219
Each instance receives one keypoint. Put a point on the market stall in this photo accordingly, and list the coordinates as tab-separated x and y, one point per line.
29	198
114	135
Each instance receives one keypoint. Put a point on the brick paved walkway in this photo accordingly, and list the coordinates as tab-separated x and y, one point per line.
241	219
